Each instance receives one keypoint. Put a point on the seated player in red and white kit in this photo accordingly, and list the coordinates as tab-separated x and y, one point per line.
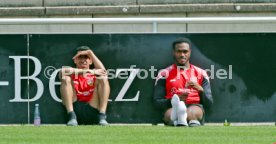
181	88
85	91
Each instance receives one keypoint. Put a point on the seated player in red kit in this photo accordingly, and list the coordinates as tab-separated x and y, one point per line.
85	91
181	88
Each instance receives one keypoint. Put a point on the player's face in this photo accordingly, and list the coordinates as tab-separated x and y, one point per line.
83	62
182	53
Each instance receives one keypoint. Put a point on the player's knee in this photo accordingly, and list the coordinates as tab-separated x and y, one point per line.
167	116
103	80
195	112
66	80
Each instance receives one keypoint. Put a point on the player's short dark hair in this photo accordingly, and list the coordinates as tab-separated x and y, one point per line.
82	48
181	40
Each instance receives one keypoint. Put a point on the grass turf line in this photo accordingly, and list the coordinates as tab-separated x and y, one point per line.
138	134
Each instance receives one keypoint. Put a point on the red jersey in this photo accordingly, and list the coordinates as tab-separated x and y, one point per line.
176	79
84	86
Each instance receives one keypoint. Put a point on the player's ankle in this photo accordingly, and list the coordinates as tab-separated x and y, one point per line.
72	115
102	115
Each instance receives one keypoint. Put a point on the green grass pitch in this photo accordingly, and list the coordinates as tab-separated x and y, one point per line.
138	134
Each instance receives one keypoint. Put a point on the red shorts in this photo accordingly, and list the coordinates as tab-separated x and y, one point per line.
84	86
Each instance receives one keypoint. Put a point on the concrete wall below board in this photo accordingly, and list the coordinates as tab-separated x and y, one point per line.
145	28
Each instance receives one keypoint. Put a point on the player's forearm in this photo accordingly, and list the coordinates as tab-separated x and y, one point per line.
97	63
159	95
70	71
207	98
200	89
162	103
206	95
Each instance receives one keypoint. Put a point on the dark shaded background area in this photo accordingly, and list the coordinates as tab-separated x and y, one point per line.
252	57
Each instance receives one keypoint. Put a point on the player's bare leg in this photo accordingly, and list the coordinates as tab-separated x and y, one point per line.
95	102
195	114
103	91
167	117
68	97
100	98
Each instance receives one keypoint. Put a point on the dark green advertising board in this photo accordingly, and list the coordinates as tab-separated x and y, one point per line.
241	67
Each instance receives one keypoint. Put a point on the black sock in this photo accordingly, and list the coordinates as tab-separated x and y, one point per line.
102	116
72	115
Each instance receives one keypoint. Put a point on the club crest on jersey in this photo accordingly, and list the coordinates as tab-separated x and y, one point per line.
173	90
90	82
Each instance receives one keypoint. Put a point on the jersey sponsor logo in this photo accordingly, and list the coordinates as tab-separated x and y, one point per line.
193	79
86	93
172	80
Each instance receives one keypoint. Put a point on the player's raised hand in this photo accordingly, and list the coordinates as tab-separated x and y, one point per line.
86	52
